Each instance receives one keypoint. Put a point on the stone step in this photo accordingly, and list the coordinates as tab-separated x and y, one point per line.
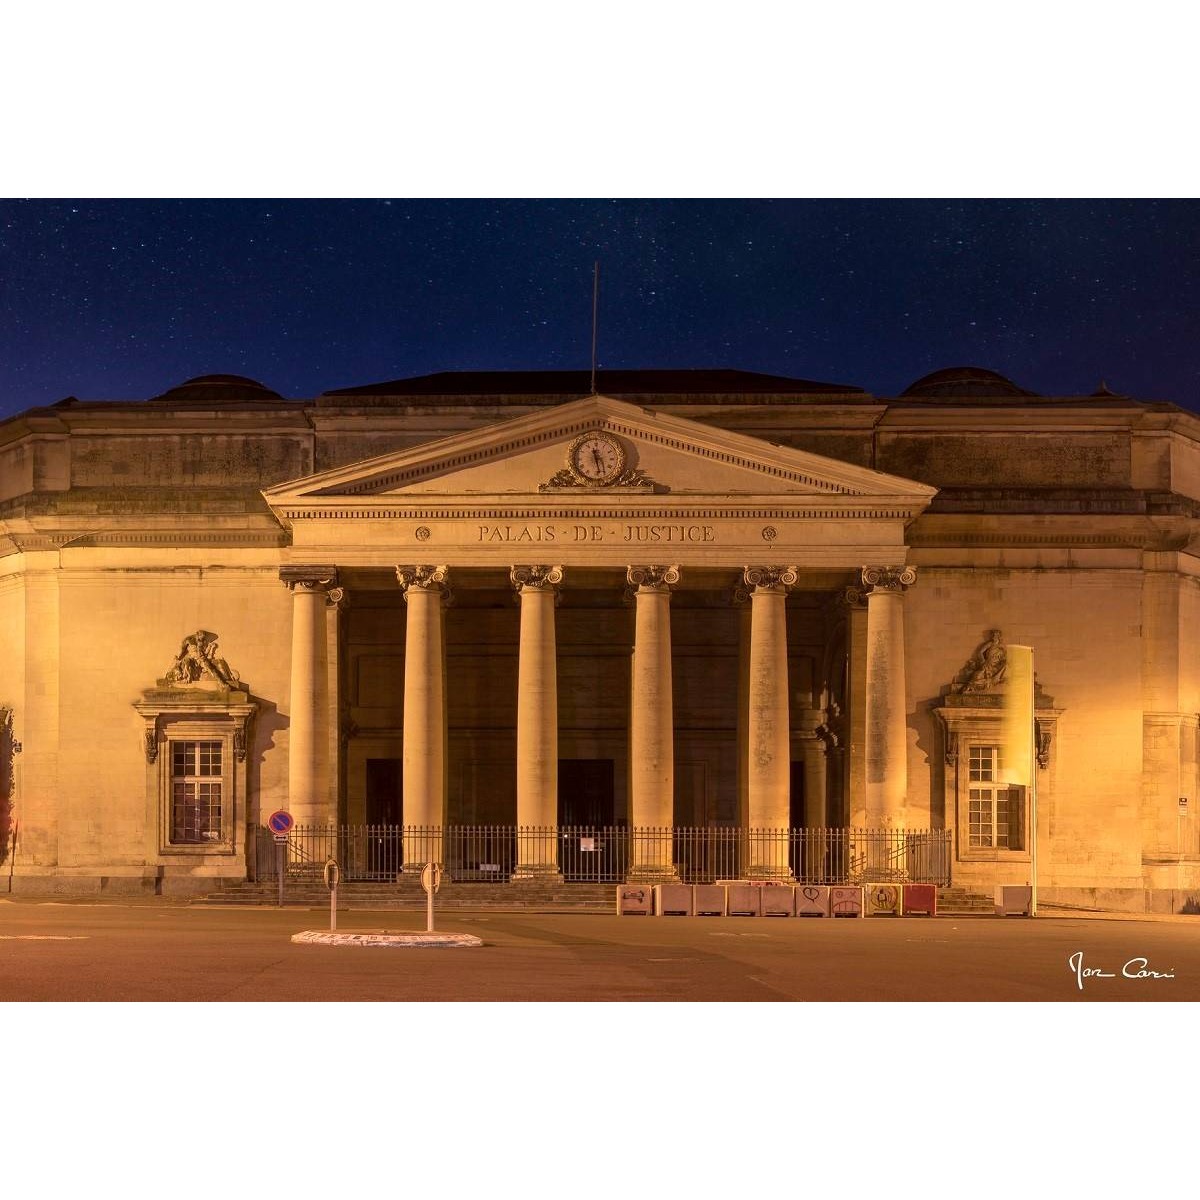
408	894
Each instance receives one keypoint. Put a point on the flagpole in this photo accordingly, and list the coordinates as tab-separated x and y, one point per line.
595	315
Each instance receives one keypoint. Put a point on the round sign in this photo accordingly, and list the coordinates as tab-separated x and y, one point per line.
281	821
431	877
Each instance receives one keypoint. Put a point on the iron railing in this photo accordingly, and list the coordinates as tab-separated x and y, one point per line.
612	854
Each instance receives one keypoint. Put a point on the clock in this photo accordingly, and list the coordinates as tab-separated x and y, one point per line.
596	458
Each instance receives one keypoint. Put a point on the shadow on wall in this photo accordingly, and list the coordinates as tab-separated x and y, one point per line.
925	723
268	721
1190	905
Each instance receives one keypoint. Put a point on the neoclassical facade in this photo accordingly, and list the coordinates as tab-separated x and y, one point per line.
697	600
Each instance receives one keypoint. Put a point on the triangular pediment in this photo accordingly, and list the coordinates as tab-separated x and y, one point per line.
659	453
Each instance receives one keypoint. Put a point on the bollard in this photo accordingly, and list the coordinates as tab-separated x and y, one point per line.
431	880
330	874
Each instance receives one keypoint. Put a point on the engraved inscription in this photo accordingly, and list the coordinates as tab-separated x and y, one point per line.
683	534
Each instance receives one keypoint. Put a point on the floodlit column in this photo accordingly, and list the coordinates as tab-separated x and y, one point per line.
308	735
816	805
537	723
886	734
741	600
769	761
651	728
424	753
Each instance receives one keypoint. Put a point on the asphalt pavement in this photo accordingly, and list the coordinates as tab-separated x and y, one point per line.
163	951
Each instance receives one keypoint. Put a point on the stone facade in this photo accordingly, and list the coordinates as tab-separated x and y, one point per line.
699	598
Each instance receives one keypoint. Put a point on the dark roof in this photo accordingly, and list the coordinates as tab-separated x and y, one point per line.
608	383
207	390
964	381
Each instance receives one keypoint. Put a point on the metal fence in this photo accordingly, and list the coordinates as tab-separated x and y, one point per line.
612	854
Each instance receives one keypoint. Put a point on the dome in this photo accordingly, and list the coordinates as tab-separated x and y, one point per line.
964	381
208	390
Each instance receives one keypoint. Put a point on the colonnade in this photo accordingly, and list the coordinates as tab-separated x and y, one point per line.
764	730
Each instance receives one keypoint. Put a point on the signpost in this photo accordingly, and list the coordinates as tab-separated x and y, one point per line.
12	857
280	823
1183	812
330	875
1019	740
431	880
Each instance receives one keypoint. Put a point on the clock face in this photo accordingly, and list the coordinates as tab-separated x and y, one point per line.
596	458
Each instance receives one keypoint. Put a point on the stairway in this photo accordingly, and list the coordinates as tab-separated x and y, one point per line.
302	892
406	894
958	902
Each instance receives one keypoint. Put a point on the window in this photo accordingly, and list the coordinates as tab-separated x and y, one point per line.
994	812
195	792
987	814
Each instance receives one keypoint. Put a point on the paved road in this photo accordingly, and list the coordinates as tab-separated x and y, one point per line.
164	951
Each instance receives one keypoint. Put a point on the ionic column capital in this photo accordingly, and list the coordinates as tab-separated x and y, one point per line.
308	579
652	578
535	577
426	579
888	579
770	579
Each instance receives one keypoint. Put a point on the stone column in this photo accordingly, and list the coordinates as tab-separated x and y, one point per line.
424	752
651	726
741	601
815	858
816	814
537	723
769	762
886	731
308	734
851	751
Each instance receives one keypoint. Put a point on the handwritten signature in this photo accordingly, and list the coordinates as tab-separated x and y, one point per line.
1134	968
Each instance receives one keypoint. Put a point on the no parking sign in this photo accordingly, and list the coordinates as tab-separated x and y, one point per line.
280	823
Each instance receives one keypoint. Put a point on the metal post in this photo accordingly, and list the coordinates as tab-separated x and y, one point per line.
331	874
12	858
1033	850
429	902
1033	770
279	868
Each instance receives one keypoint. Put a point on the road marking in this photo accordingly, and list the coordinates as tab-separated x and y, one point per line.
43	937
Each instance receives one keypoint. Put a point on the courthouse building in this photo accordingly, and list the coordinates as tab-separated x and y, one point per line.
698	600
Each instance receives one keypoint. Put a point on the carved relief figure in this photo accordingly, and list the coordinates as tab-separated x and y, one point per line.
198	658
988	666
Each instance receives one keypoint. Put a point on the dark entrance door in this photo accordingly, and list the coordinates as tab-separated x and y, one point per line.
585	791
385	815
590	849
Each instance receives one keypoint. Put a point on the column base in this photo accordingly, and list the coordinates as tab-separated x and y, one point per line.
526	873
769	873
653	873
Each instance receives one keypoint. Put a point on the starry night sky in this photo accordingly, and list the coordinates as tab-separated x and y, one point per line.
123	299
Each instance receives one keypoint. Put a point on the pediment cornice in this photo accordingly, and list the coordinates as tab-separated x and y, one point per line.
764	468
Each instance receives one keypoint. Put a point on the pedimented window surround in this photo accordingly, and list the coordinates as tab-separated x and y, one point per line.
971	716
200	699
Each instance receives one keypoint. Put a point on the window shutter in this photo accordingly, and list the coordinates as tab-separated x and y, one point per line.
1016	818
